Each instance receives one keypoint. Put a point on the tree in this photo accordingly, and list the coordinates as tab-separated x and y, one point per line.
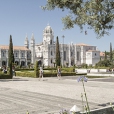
58	59
104	63
36	70
111	52
97	14
105	55
10	56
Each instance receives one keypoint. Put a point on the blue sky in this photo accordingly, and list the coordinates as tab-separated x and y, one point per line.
21	17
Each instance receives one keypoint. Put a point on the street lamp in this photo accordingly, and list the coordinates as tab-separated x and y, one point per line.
63	48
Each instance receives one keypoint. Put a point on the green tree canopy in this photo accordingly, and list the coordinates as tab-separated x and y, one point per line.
97	14
10	55
104	63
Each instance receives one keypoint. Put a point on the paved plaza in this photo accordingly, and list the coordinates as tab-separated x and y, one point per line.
50	95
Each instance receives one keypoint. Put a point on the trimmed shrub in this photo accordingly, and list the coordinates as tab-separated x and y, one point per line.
25	74
47	74
68	69
24	69
36	70
5	76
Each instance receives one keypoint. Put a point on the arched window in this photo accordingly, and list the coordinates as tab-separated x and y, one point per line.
64	55
22	55
16	55
51	53
22	63
78	55
51	61
3	54
39	48
51	42
3	63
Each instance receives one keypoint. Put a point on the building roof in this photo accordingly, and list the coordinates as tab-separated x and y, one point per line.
82	44
14	47
102	54
92	50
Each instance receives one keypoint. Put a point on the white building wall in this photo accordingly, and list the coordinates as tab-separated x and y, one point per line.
89	58
95	57
92	57
80	53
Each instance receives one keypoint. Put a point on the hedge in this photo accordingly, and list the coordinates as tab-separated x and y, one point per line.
48	69
5	76
24	69
47	74
25	74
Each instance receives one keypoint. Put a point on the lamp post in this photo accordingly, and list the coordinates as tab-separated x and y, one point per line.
63	48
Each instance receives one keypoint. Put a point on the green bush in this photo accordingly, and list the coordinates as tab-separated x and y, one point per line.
24	69
96	76
49	68
5	76
25	74
81	73
47	74
71	69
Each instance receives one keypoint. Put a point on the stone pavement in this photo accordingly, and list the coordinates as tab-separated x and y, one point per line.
50	95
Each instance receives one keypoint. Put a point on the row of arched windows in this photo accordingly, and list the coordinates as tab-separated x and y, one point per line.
15	54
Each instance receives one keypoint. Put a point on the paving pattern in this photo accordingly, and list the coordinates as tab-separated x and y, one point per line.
18	102
43	97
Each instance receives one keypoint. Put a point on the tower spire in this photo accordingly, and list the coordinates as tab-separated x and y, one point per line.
26	42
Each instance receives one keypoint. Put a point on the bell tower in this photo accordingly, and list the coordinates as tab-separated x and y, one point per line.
48	35
26	43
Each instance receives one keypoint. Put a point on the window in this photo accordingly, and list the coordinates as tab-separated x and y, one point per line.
51	42
27	55
39	48
3	54
95	54
65	55
77	55
51	61
16	55
51	53
22	55
71	53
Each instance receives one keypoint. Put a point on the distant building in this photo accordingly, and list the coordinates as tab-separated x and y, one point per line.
21	53
102	55
71	54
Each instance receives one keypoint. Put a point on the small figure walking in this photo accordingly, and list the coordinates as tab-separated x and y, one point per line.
59	73
41	74
13	71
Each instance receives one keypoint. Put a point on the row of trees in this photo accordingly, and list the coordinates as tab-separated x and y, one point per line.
108	60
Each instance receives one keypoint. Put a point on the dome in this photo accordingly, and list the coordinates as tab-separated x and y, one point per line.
48	29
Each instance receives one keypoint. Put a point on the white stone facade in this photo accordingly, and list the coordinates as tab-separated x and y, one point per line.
22	55
45	52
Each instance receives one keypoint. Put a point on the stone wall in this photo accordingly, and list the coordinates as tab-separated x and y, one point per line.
90	70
